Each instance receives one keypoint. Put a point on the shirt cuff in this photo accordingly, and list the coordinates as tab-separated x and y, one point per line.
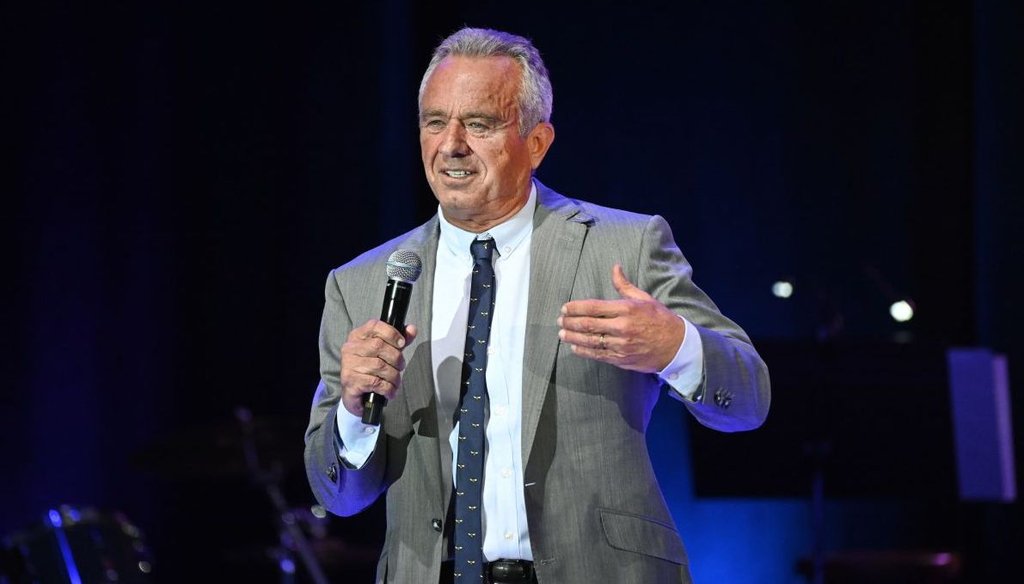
356	440
685	373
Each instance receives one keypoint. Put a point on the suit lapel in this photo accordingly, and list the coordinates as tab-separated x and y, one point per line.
559	230
418	380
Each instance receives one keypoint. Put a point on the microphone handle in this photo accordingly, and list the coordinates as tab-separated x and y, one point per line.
396	304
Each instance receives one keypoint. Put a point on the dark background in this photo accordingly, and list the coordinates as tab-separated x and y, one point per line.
179	177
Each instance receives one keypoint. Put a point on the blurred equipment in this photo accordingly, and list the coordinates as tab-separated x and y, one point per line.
334	554
262	450
217	450
294	541
77	546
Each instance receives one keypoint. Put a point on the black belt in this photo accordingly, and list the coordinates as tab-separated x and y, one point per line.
497	572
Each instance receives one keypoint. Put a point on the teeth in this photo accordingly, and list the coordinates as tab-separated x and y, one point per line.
457	173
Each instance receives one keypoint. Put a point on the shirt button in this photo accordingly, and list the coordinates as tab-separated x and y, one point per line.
491	349
506	250
673	376
509	535
500	410
506	472
369	430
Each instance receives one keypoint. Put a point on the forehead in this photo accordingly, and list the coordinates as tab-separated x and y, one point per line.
493	80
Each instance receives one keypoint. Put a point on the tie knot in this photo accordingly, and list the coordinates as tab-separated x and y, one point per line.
481	249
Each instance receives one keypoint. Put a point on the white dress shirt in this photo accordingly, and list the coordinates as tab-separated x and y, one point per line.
506	534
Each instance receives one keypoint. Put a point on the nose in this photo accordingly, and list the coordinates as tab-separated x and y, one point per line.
453	140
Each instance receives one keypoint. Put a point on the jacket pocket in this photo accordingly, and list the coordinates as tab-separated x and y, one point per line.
642	535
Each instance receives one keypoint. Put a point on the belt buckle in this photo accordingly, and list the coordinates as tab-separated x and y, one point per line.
509	571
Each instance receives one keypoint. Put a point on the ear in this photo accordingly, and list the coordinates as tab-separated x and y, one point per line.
538	141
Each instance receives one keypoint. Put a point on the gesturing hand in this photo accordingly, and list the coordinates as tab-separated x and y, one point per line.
636	332
371	361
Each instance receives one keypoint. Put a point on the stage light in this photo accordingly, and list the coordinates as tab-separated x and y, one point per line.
782	289
901	311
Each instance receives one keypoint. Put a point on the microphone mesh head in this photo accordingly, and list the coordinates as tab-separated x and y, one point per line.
404	265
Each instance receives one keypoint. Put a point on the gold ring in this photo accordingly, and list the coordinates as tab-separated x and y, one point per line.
604	345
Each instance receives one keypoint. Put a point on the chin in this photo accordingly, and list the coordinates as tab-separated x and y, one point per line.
455	198
455	204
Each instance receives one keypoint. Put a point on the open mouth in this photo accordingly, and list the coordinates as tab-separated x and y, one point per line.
456	173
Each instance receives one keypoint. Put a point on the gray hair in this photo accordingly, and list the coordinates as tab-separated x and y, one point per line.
535	96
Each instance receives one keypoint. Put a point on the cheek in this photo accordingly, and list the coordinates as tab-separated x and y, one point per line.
428	145
496	158
427	157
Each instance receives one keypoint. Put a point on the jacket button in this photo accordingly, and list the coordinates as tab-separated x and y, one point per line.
723	398
332	472
436	524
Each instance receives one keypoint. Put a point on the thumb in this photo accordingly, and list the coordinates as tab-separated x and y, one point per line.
410	333
625	288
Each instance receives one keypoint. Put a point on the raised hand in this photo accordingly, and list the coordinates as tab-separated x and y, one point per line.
636	332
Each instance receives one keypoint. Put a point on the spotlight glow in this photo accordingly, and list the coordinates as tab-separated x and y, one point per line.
901	311
782	289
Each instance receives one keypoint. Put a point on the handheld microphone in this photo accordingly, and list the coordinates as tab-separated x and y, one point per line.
403	268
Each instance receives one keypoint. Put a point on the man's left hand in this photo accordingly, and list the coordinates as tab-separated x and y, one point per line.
636	332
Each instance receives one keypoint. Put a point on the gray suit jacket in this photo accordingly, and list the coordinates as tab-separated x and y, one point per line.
594	508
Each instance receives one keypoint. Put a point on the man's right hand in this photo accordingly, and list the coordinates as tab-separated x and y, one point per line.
371	361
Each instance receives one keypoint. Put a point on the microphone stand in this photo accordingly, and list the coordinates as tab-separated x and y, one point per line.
288	527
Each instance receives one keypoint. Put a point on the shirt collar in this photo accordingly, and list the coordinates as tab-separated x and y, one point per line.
507	236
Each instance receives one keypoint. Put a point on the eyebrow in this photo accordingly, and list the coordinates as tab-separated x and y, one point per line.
467	116
432	114
482	116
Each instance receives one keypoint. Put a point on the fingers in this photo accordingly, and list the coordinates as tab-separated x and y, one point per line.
582	321
372	361
602	346
380	330
608	308
624	287
597	333
593	308
410	333
596	352
635	332
594	325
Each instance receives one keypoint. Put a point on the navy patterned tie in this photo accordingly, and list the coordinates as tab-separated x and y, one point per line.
469	474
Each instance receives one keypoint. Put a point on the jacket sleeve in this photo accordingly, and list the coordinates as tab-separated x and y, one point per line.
735	393
340	489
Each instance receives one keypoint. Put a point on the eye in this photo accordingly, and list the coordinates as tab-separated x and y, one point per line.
478	128
434	125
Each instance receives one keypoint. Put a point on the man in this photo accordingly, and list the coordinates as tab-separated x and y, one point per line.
593	312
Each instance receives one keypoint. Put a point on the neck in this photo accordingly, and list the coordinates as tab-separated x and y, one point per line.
478	225
479	222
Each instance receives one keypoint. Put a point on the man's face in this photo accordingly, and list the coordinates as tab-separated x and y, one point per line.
476	161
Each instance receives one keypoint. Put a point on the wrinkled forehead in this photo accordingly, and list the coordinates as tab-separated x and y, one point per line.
458	78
